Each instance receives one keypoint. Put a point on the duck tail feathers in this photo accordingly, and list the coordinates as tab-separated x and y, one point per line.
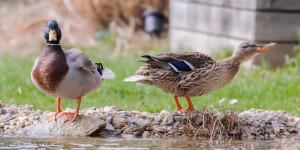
107	74
135	78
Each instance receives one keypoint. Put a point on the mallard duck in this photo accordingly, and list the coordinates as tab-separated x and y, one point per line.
67	75
193	73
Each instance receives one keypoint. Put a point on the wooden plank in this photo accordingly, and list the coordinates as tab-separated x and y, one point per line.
240	4
287	5
277	26
213	20
234	23
185	40
268	5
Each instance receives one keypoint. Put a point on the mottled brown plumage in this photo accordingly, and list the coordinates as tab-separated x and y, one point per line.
193	73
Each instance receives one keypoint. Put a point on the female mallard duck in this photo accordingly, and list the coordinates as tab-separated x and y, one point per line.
68	75
193	73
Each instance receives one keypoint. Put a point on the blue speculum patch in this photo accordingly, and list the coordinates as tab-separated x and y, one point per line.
181	66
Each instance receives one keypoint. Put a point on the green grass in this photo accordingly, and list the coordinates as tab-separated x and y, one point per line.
259	87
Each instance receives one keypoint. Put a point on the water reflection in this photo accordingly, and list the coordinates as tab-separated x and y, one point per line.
82	143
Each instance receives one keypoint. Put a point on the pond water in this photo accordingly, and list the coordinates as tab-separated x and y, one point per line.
81	143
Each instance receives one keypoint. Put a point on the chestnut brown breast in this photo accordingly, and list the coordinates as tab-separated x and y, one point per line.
51	68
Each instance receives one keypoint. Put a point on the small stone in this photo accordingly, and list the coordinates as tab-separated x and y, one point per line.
2	111
146	134
121	115
176	125
276	130
109	127
169	128
159	129
90	112
252	137
286	133
179	118
171	132
198	121
282	118
269	118
272	136
13	123
143	122
36	117
110	109
13	127
136	112
127	131
23	119
120	126
143	116
12	111
274	123
119	120
39	111
168	120
108	120
28	124
156	136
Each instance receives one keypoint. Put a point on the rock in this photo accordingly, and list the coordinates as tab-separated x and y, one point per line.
198	121
110	109
108	120
179	118
13	111
146	134
272	136
176	125
143	122
90	112
282	118
2	111
161	129
119	120
286	133
276	130
127	131
109	127
136	112
168	120
82	126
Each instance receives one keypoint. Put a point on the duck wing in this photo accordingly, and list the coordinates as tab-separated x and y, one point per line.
77	59
179	62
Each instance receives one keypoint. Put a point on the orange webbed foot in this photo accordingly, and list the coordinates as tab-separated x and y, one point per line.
190	109
55	116
70	116
181	110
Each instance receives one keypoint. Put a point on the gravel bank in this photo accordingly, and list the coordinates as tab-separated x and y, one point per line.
252	123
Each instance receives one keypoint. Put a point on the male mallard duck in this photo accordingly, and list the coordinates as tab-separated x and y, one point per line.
193	73
68	75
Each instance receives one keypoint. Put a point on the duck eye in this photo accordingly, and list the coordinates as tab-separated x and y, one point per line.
245	46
